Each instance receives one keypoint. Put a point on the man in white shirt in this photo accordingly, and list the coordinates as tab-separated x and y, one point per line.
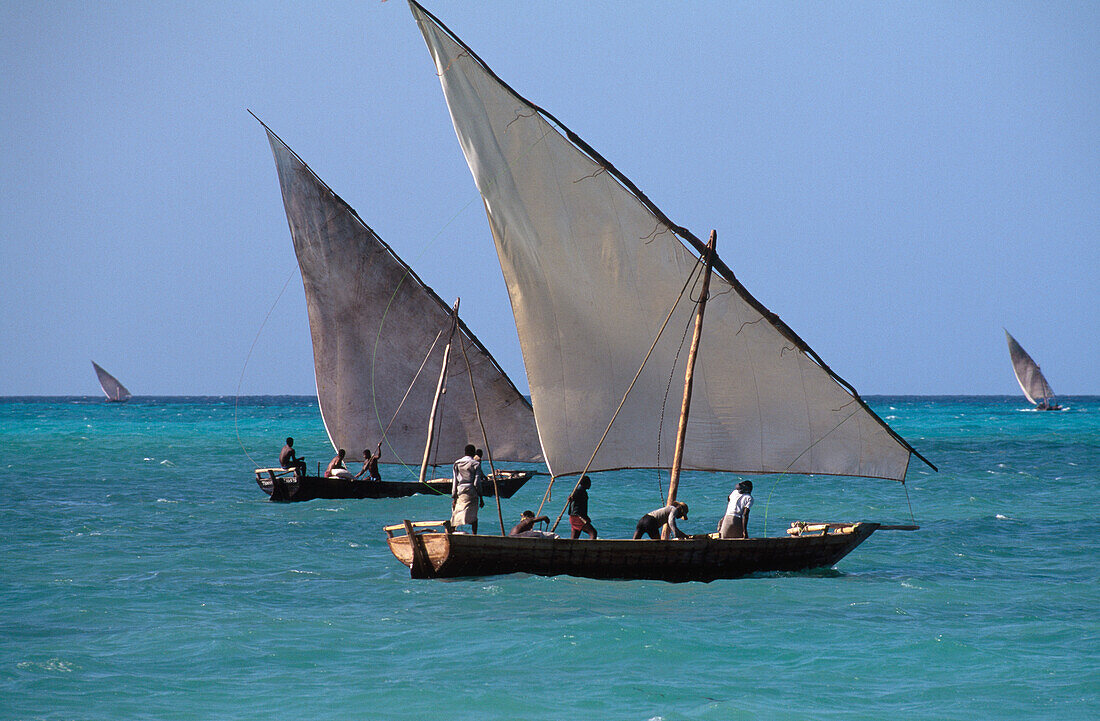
735	524
465	496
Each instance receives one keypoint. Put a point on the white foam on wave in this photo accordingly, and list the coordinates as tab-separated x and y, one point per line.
53	664
1001	517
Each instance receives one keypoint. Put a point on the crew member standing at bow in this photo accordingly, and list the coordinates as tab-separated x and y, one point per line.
465	490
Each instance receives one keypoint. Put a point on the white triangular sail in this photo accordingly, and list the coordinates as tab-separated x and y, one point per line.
115	391
373	322
1028	375
593	268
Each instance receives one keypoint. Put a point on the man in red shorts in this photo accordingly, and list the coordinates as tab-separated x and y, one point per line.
578	510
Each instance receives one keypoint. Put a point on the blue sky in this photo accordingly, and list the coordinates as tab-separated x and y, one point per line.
896	180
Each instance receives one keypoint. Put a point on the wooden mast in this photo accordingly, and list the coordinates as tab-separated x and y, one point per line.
439	392
689	376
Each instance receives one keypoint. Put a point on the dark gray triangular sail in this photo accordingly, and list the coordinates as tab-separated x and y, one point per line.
377	350
114	390
1031	379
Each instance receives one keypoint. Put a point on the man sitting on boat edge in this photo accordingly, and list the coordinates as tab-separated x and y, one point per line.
289	459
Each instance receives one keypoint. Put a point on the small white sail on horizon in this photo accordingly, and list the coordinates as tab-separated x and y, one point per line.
593	268
115	391
377	345
1031	379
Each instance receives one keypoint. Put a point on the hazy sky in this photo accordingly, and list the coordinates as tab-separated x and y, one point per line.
896	180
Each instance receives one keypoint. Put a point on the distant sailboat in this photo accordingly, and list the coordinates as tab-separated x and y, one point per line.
379	340
596	272
1031	379
116	392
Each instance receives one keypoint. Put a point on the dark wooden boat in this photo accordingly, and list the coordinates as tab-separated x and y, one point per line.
282	485
443	554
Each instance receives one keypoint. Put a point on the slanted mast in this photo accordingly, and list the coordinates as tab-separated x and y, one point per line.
593	268
379	335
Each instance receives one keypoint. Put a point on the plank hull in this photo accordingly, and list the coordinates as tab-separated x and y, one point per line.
310	487
700	558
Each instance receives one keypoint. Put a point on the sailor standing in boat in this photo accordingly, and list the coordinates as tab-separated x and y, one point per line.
735	524
578	510
465	486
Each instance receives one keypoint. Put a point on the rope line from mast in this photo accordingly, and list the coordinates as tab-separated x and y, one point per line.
767	503
664	403
402	403
240	381
637	375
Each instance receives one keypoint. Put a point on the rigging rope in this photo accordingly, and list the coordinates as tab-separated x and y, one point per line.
407	391
240	381
637	375
664	402
427	246
767	503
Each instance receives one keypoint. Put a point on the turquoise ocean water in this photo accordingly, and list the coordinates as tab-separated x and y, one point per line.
143	575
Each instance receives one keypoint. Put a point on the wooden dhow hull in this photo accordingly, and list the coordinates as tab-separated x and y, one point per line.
287	488
699	558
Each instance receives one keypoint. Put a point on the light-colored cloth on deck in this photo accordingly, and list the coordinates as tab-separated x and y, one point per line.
535	534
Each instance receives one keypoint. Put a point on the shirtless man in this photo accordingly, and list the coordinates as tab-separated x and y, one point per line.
370	464
336	467
289	459
525	527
